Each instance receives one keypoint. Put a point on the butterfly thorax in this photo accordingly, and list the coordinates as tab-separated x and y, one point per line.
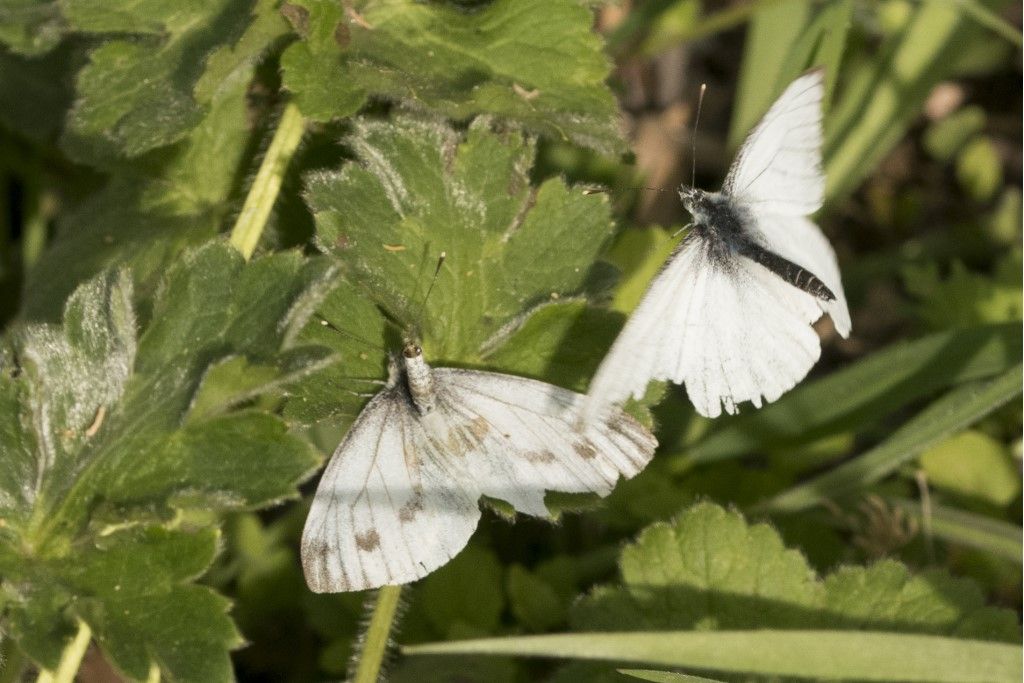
727	231
418	379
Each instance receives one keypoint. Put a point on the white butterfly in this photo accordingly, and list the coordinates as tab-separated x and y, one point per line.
729	314
399	497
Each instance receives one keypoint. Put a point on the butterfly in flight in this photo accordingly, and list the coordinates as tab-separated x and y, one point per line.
400	496
729	315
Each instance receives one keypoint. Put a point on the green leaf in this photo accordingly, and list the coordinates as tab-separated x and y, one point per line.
137	94
560	342
533	601
314	68
422	190
867	390
148	213
979	169
496	59
806	654
31	27
709	569
955	411
100	446
964	298
706	570
973	464
943	139
465	595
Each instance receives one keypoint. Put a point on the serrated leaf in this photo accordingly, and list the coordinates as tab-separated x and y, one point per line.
496	59
709	569
706	570
422	190
100	446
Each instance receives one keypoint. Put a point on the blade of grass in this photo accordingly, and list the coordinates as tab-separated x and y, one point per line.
969	529
267	184
883	96
723	20
953	412
664	676
867	390
772	32
990	20
856	655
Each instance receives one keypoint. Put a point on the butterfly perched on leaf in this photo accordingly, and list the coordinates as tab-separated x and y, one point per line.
400	496
729	315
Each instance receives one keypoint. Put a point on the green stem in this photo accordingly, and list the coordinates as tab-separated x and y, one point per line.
12	662
71	658
265	188
378	632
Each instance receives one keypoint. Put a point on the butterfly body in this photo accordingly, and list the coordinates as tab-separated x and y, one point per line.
727	230
729	313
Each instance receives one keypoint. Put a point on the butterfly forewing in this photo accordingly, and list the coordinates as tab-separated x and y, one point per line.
778	168
388	510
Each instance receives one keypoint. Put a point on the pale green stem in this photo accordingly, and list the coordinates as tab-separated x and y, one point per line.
70	659
265	188
378	632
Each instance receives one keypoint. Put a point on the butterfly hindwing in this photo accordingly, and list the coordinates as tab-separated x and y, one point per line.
528	440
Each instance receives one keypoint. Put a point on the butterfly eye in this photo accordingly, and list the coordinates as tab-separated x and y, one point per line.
412	351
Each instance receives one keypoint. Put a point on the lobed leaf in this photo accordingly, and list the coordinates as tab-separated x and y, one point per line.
102	457
422	190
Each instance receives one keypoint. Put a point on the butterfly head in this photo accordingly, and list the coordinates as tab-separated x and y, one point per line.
697	202
411	350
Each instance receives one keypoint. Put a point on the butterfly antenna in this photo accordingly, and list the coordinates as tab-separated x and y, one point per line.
345	333
693	136
605	190
433	281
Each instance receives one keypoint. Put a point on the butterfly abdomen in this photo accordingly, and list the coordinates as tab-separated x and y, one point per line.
799	277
